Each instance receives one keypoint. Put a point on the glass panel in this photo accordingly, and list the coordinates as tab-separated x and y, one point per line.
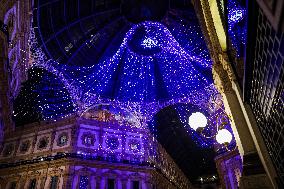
110	184
53	182
84	181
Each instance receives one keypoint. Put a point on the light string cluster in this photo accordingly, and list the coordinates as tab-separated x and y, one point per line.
189	36
237	25
44	97
156	65
77	92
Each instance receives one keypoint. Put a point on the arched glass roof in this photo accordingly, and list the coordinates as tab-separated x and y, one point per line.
142	55
101	51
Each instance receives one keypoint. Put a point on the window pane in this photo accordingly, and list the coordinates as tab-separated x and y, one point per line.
84	181
135	184
53	182
33	184
13	185
110	184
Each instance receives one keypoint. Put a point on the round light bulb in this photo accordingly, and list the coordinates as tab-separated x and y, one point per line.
224	136
197	120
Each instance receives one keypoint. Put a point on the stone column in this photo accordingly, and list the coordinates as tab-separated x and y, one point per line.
21	182
60	182
47	182
41	182
148	184
38	183
4	184
92	182
253	169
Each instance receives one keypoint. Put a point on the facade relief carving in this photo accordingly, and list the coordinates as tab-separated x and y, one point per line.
221	79
66	167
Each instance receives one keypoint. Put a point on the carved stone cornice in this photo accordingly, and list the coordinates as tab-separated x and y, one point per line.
224	60
222	71
206	22
221	79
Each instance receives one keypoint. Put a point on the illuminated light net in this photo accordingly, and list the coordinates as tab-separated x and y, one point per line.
237	25
149	70
157	64
149	66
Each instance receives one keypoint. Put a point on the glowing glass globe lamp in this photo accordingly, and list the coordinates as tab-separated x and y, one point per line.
224	137
197	120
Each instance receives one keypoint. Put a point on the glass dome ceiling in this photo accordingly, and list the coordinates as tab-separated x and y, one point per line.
148	66
94	52
105	54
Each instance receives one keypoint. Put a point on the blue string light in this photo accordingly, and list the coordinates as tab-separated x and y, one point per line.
237	25
156	64
149	65
42	97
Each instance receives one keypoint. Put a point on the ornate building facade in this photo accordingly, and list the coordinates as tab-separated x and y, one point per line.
94	151
47	58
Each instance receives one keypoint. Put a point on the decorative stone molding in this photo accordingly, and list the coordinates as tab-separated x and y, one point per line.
224	60
8	150
68	167
204	15
25	146
18	43
229	163
221	79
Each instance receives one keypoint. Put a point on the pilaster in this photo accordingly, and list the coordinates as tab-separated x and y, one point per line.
225	82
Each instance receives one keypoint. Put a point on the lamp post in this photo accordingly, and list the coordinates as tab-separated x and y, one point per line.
198	120
224	137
